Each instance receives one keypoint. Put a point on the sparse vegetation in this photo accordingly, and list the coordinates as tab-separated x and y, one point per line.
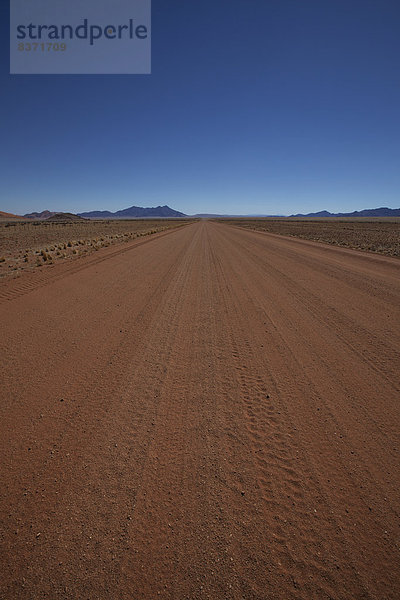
380	235
55	241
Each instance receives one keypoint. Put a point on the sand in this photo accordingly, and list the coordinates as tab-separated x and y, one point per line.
206	413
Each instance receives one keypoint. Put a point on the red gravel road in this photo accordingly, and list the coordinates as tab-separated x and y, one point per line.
211	413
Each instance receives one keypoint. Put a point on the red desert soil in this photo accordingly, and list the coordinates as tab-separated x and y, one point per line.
209	413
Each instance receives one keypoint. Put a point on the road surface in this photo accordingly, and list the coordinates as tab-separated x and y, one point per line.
209	413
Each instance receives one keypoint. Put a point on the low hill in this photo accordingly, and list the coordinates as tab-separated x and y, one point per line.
45	214
134	212
65	217
6	215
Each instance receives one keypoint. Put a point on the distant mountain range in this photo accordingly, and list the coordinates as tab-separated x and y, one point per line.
323	214
127	213
369	212
133	212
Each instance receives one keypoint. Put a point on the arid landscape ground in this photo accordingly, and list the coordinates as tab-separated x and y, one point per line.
204	412
381	235
26	245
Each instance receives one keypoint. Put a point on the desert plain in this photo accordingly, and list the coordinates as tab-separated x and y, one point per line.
204	411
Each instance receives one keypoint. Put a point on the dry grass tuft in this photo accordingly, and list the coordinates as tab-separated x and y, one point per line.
51	242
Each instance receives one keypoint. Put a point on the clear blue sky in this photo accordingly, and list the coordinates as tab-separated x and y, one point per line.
253	106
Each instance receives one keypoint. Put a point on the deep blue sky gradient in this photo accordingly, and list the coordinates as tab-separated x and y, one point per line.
253	106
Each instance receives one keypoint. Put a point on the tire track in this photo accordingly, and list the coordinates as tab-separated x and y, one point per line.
329	316
306	564
32	281
109	436
222	433
293	383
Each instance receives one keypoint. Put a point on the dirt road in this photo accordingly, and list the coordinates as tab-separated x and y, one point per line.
209	413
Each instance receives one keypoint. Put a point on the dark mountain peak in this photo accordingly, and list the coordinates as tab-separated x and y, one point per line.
45	214
134	212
